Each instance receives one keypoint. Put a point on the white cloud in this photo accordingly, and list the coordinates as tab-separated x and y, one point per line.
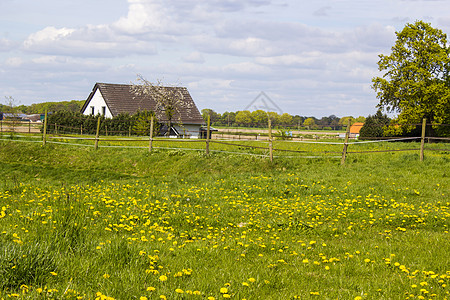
6	45
194	57
90	41
14	61
48	34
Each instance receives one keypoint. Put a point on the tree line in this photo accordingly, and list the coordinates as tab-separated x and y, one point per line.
39	108
259	119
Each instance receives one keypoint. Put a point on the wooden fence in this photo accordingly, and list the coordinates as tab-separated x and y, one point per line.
266	146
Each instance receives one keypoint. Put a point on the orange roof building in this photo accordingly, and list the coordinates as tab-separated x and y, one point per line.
355	128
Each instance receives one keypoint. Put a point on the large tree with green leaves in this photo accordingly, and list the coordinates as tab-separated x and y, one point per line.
416	82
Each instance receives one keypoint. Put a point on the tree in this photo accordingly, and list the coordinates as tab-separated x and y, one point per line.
416	82
143	121
286	119
309	122
259	118
274	117
169	99
344	120
374	126
360	119
228	118
213	116
244	117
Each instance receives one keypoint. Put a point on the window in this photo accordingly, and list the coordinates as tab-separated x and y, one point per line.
103	110
92	110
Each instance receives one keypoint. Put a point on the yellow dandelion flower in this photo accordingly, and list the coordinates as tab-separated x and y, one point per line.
150	289
223	290
179	291
54	273
162	278
251	279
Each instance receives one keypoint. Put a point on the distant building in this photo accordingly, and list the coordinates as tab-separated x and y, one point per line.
354	129
111	100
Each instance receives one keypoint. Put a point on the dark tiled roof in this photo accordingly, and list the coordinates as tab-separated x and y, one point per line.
120	99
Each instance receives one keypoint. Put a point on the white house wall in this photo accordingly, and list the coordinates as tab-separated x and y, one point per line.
97	101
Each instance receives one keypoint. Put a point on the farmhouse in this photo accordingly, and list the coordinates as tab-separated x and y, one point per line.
111	100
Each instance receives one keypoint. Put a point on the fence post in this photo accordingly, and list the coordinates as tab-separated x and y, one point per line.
106	130
150	146
1	126
44	134
29	127
422	140
344	151
97	133
81	129
56	129
270	141
129	131
207	134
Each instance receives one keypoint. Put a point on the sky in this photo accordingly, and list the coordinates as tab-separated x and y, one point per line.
309	58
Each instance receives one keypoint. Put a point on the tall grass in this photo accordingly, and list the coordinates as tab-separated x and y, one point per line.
127	224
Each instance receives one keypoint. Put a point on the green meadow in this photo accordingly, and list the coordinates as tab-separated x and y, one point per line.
113	223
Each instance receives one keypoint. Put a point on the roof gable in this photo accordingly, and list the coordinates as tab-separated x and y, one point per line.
120	99
356	127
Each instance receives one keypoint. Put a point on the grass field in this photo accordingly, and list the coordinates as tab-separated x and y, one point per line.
128	224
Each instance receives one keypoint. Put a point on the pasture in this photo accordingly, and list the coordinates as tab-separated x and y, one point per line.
77	223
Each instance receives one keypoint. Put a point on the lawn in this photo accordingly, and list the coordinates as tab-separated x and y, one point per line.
77	223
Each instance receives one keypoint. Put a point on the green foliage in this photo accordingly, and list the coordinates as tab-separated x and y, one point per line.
416	81
244	117
40	108
309	122
75	122
374	126
143	122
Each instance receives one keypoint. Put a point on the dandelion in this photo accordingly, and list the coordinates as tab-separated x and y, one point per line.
245	284
54	273
143	298
251	279
223	290
179	291
162	278
150	289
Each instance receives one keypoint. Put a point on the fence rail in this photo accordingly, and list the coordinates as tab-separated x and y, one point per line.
257	147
